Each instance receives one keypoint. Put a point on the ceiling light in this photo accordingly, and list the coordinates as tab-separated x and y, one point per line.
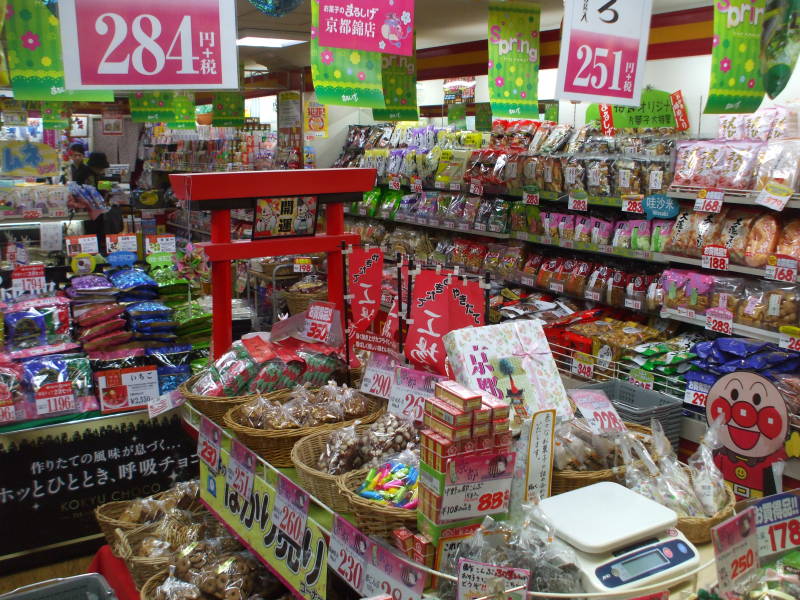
266	42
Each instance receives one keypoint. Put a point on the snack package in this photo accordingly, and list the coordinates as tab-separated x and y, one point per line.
733	233
762	241
660	235
674	484
782	302
789	240
726	292
752	309
707	480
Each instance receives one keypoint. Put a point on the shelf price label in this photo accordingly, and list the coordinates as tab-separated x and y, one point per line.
121	243
28	278
531	198
790	341
710	200
641	378
209	439
241	469
378	375
736	550
596	408
54	398
303	264
578	201
556	287
716	257
774	196
583	365
291	509
696	393
633	204
719	320
781	268
416	184
409	390
82	244
394	182
393	576
476	187
778	521
348	551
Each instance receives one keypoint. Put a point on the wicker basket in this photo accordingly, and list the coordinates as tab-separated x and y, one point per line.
108	518
148	591
298	302
370	517
564	481
304	455
698	529
214	407
275	445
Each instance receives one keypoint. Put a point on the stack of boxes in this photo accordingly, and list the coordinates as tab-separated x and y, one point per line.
460	425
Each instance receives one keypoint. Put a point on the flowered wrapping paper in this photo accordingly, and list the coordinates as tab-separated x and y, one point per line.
472	351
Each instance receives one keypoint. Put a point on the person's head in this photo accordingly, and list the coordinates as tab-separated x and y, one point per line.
98	162
77	153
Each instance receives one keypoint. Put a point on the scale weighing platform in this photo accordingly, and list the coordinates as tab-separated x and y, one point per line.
623	541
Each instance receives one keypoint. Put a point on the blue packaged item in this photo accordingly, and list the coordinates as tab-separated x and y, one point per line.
740	346
131	279
149	309
701	376
703	350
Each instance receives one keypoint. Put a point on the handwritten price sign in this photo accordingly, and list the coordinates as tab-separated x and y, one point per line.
291	509
409	390
241	469
347	552
390	575
598	411
775	196
736	550
208	442
378	375
148	45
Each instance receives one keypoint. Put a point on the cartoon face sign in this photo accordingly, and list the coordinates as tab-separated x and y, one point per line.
754	413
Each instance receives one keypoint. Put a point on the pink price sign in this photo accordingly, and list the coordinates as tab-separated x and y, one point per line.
372	25
149	44
603	49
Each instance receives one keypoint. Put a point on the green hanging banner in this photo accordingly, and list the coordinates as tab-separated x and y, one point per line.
228	109
514	59
457	115
55	115
183	105
655	111
483	116
736	82
344	77
780	44
551	112
34	55
152	107
399	89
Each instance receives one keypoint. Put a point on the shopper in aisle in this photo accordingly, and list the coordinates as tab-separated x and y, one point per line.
80	172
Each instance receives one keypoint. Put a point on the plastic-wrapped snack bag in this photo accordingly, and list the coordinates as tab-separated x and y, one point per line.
707	480
674	484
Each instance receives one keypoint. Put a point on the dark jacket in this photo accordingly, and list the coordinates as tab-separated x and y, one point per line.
82	174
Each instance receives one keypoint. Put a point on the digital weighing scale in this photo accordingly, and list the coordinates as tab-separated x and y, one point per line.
623	540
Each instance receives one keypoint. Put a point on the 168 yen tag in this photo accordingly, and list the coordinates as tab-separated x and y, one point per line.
781	268
709	201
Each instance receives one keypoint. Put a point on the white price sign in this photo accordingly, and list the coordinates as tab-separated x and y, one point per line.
302	265
28	278
716	257
469	500
209	439
291	509
696	393
241	469
479	580
778	520
736	550
790	342
596	408
121	243
54	398
159	243
709	201
775	196
641	378
348	551
632	204
319	321
378	375
409	390
782	268
578	201
416	184
530	198
719	320
539	472
476	187
583	365
394	182
82	244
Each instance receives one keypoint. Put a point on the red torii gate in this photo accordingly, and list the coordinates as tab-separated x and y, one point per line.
222	192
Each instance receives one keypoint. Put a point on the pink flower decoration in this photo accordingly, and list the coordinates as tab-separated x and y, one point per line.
313	32
715	41
327	57
534	34
751	83
725	64
362	76
9	12
491	64
31	41
499	82
523	95
403	101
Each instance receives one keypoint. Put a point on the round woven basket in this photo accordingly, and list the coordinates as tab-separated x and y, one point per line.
564	481
298	302
107	516
373	518
304	456
698	529
148	590
214	407
275	445
141	568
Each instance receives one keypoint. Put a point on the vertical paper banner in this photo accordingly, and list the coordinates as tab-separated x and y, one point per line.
344	77
152	107
365	274
430	313
183	107
55	115
467	304
228	109
316	120
514	59
551	112
34	55
457	115
483	116
399	75
736	82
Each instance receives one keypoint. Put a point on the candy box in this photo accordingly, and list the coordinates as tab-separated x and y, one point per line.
446	413
502	439
481	429
403	539
501	426
427	561
497	408
457	395
422	545
476	355
455	434
485	442
482	415
439	444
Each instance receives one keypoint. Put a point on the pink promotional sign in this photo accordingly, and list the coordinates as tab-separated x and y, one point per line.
149	44
603	51
371	25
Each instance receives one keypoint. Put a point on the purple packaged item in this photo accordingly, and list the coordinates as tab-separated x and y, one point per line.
92	283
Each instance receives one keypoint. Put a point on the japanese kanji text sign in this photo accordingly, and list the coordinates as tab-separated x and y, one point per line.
365	274
373	25
149	44
603	50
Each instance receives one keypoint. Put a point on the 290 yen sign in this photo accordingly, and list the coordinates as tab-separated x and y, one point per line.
149	44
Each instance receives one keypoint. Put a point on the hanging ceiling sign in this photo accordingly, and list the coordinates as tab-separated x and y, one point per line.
603	50
149	44
372	25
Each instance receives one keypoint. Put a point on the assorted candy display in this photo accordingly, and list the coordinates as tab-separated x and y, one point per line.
394	483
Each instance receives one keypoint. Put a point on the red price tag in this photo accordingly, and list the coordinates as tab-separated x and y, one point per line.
530	198
719	320
303	265
319	320
291	509
7	413
389	575
782	268
476	187
241	469
596	408
632	204
28	278
583	365
593	296
578	202
32	214
736	550
208	443
679	110
416	184
347	553
716	257
394	182
709	201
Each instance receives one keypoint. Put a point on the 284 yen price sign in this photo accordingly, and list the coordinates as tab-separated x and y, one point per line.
291	509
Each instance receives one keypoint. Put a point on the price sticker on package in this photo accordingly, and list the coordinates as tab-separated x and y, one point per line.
775	196
378	375
736	550
478	580
476	187
303	264
598	411
696	393
531	198
393	576
348	552
578	201
710	201
241	469
291	509
409	390
81	244
778	520
716	257
583	365
790	341
719	320
781	268
633	204
641	378
416	184
319	321
53	398
394	182
209	439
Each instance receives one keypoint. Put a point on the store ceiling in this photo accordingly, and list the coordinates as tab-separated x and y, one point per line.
439	22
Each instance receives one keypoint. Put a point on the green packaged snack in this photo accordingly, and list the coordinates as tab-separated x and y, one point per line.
652	348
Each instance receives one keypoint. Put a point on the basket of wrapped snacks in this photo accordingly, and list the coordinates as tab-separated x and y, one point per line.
301	294
321	457
150	588
583	458
271	425
385	498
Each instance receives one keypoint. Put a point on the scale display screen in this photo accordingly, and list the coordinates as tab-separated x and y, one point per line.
644	563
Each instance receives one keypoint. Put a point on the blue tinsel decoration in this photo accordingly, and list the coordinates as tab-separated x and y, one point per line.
276	8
